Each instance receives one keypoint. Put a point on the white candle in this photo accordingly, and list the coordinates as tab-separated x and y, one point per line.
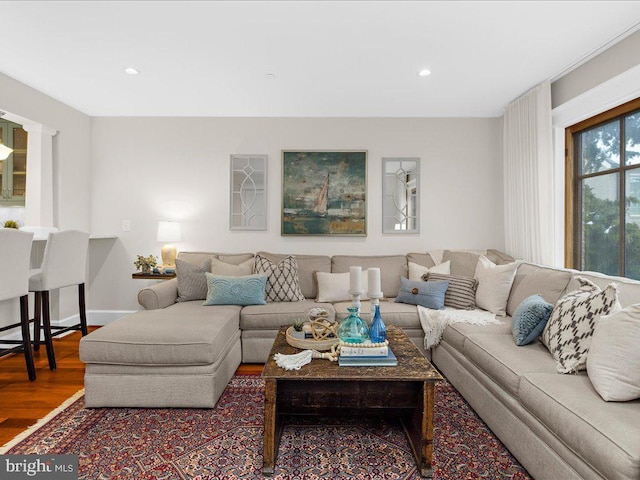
374	282
355	279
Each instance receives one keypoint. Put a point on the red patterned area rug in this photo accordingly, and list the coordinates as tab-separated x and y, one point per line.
226	442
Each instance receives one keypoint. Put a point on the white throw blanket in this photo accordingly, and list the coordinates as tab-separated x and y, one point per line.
435	321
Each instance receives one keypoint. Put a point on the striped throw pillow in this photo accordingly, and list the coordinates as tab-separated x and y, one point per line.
461	292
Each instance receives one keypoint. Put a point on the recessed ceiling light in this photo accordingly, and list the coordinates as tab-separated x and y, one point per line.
131	71
271	76
424	72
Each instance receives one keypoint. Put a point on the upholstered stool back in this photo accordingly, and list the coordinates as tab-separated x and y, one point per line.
15	255
64	261
15	252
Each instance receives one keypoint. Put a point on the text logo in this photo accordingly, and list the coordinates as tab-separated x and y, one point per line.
49	467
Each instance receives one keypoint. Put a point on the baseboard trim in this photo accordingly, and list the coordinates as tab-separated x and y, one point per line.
94	318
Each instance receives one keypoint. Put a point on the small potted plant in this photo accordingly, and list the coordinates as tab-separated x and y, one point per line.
145	264
10	224
298	329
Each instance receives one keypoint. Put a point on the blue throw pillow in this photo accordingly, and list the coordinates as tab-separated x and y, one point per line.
529	319
427	294
245	290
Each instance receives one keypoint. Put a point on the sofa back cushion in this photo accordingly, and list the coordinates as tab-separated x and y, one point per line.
498	257
531	279
307	266
392	267
198	258
463	263
422	259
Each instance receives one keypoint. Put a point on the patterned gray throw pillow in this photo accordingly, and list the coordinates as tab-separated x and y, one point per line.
461	292
569	331
282	279
192	282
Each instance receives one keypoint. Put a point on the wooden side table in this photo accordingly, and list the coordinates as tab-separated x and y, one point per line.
152	276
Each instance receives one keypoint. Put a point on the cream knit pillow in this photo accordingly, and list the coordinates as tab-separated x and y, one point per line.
494	285
613	362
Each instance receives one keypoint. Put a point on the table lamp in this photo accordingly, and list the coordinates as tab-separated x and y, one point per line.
169	232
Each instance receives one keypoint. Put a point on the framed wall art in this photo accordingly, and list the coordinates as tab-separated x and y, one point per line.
248	192
324	192
400	195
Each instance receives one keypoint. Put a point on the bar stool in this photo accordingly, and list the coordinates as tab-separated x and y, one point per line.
15	252
63	264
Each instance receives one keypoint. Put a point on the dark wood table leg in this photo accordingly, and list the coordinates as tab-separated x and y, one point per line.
272	427
419	430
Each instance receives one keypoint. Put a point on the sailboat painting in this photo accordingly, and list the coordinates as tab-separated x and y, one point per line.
324	193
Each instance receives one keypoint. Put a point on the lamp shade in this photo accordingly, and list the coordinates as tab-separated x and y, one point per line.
169	232
4	151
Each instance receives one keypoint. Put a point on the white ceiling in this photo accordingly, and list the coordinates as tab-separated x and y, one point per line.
329	58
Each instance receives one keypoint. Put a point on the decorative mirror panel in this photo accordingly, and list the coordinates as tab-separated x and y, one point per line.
400	195
248	192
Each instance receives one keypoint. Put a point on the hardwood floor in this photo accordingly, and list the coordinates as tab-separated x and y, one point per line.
23	403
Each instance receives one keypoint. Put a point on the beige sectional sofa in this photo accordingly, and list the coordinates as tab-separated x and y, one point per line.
183	354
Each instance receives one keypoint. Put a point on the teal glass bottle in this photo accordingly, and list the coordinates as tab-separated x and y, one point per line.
353	329
378	330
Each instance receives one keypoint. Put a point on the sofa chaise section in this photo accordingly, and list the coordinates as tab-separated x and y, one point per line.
182	356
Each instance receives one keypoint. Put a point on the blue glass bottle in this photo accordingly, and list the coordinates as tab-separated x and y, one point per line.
377	331
353	329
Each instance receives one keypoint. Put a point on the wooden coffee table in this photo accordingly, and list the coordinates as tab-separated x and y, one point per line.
322	387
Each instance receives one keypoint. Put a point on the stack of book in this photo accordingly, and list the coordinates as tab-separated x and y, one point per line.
365	355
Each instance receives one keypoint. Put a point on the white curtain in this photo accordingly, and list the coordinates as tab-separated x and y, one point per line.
528	176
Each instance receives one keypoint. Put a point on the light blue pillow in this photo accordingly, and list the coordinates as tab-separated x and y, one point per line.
529	319
245	290
427	294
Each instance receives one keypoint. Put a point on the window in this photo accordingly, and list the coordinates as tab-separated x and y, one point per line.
603	192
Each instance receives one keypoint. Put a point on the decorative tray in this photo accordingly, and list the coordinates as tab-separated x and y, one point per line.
310	343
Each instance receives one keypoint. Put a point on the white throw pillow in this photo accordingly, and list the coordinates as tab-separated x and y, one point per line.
417	271
613	362
494	285
334	287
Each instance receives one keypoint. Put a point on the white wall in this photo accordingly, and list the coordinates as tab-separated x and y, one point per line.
71	167
150	169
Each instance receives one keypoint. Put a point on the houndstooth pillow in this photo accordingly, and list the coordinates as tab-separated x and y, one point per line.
568	333
282	279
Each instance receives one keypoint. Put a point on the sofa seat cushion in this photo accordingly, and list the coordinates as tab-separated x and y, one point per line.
401	314
606	435
277	314
456	333
183	334
504	362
